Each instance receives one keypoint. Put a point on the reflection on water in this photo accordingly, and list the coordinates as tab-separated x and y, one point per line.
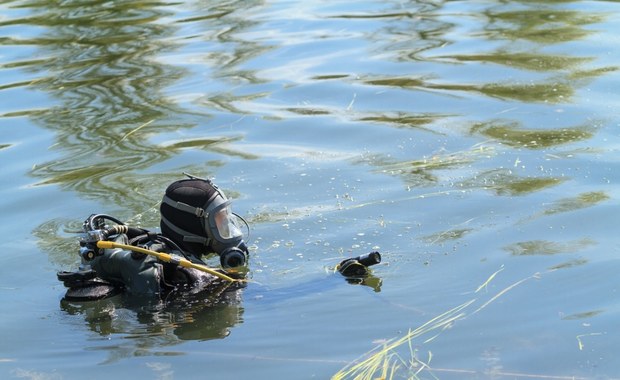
545	26
408	29
224	48
101	67
535	27
582	200
540	26
152	326
569	264
405	120
444	236
511	134
59	239
507	183
423	172
543	247
525	60
551	91
101	70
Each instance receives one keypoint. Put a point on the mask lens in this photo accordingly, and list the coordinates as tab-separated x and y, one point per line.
227	224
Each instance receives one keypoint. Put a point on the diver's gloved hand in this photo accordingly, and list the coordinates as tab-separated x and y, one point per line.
358	266
356	271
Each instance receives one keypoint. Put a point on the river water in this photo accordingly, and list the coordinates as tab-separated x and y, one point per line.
473	143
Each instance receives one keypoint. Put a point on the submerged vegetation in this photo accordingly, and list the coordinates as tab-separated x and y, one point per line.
400	357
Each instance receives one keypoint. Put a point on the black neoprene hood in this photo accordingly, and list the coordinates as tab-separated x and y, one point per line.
193	192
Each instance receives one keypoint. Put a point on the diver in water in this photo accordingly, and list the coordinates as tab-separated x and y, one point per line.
196	219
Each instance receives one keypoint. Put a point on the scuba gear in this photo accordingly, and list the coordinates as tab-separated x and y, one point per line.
88	245
174	259
119	257
197	215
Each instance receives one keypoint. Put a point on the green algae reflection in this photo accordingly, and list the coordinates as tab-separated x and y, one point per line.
545	247
581	201
524	60
544	26
549	91
506	183
512	134
420	121
423	172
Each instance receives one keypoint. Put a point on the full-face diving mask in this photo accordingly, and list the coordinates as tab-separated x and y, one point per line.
205	220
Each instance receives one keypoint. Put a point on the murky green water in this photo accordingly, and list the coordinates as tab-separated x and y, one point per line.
473	143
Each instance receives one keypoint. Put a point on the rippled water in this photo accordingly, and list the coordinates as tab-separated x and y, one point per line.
473	143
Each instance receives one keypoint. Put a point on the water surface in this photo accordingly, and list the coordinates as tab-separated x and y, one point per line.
473	143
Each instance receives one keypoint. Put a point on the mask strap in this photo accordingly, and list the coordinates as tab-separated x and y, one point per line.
197	211
187	236
247	226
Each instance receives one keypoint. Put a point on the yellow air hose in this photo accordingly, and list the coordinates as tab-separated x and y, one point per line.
104	244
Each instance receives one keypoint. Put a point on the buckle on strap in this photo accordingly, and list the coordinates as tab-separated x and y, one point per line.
199	212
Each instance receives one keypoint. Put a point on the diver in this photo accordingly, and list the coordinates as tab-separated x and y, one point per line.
196	220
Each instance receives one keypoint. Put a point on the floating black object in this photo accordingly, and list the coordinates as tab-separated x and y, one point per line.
358	266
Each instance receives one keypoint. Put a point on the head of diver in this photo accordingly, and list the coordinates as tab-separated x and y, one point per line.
198	216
